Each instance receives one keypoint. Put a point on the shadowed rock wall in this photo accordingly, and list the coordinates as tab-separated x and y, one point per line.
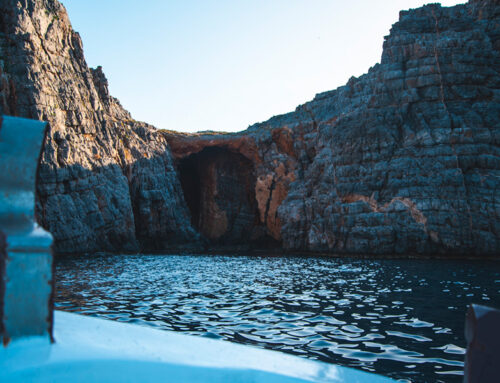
219	188
406	157
264	159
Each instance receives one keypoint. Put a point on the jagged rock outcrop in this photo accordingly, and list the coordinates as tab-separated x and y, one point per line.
106	182
404	159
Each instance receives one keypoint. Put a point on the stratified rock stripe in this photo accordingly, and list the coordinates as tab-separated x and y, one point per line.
106	181
404	159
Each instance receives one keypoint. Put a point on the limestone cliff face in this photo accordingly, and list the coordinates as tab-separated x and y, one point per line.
106	181
404	159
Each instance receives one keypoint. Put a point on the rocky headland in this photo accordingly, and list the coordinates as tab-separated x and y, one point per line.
402	160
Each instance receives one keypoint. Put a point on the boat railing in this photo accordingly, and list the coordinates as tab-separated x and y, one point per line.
26	283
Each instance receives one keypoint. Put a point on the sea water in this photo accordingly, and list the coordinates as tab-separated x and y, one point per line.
399	318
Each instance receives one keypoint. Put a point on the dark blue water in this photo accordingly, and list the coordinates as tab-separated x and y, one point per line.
399	318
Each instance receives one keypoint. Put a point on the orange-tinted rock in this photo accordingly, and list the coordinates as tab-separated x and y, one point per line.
272	166
185	144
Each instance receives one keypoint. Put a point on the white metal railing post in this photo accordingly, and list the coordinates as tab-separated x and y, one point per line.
26	286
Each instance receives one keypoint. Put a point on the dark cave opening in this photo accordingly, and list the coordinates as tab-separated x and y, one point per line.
191	186
219	189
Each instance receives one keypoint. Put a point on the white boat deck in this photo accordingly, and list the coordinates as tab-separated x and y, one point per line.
90	350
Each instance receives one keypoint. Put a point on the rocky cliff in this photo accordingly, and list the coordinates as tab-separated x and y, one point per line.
404	159
106	182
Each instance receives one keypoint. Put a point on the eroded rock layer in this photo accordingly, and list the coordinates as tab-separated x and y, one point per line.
106	182
265	161
402	160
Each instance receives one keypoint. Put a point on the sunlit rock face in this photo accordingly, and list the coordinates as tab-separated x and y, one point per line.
106	182
402	160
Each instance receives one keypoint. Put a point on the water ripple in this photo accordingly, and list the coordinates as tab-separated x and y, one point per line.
403	319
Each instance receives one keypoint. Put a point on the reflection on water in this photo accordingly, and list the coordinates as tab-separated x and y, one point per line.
399	318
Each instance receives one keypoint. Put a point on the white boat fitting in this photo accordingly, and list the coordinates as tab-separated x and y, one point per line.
88	349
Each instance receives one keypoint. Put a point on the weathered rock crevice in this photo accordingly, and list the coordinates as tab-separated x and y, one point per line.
219	189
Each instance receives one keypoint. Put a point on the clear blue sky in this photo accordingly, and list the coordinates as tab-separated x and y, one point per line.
192	65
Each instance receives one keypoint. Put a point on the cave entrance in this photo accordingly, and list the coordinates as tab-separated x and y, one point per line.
219	189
